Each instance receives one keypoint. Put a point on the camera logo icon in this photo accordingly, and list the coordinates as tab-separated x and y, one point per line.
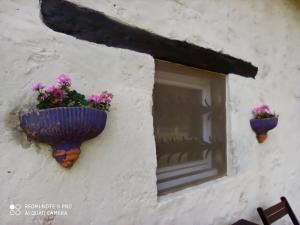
15	209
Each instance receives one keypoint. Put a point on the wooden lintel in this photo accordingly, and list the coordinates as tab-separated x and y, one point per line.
90	25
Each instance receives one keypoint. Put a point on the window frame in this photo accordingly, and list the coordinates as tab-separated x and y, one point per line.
164	185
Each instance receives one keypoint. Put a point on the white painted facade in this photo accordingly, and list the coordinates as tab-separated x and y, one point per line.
114	180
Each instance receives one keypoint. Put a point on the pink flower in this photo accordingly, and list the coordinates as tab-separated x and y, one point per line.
53	89
261	109
94	99
255	110
38	86
57	93
64	80
106	97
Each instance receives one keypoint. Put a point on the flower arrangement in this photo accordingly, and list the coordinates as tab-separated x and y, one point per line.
61	95
262	112
67	118
263	121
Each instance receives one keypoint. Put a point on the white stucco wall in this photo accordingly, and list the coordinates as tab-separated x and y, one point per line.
114	181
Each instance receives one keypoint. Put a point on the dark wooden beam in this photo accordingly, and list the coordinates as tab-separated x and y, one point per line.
90	25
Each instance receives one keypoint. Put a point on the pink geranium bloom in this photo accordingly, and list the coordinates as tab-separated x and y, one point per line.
265	108
38	86
94	99
58	93
261	109
106	97
64	80
53	89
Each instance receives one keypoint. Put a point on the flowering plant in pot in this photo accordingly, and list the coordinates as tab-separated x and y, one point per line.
263	121
65	118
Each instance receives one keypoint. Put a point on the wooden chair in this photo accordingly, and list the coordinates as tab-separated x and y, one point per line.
275	212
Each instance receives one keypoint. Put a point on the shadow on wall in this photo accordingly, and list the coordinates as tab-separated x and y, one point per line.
12	122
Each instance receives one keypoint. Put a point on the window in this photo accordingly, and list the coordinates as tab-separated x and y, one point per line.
189	110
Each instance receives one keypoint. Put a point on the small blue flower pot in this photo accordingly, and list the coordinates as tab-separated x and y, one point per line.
262	126
64	128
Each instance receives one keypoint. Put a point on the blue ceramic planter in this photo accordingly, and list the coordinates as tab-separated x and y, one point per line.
262	126
64	128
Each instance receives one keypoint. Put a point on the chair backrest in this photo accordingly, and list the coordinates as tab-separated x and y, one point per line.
275	212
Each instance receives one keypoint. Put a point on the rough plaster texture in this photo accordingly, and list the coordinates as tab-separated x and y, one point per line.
114	182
